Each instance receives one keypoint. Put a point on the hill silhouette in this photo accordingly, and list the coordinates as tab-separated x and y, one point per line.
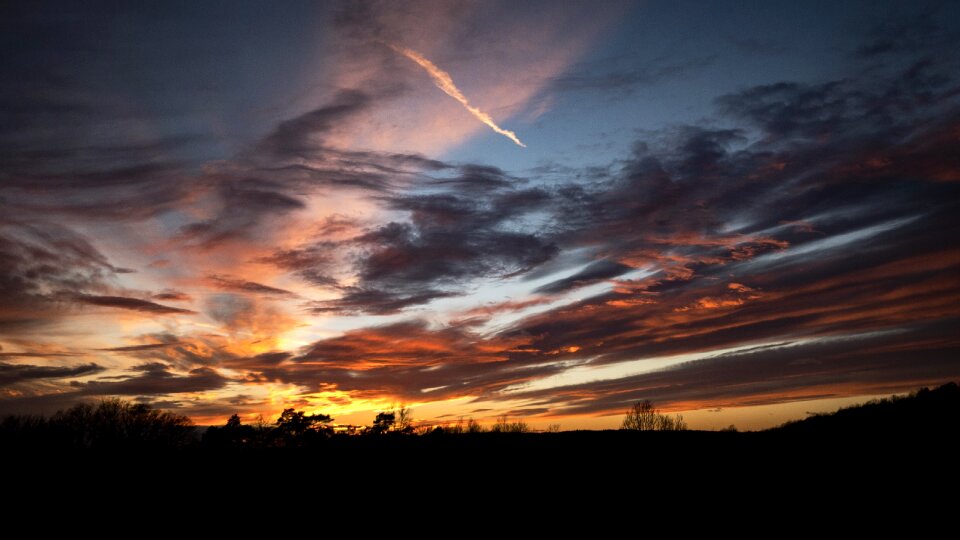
924	411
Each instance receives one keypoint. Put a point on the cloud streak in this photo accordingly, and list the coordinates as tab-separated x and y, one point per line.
444	82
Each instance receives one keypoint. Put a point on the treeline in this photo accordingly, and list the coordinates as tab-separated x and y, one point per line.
923	411
296	429
119	424
110	424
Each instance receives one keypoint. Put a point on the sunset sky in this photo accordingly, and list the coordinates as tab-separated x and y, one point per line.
742	211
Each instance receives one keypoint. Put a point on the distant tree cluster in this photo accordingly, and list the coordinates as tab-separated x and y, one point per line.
115	423
399	421
471	426
109	424
504	425
643	416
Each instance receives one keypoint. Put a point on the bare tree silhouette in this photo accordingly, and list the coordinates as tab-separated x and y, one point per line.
643	416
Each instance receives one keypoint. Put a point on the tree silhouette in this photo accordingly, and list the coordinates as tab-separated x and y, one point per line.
295	424
404	423
233	433
643	416
474	427
504	425
111	423
383	422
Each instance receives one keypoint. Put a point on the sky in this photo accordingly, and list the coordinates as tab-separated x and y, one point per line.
742	211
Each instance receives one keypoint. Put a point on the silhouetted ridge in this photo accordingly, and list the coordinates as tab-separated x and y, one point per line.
924	411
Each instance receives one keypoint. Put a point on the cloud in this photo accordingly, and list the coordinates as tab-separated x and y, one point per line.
246	314
614	76
409	361
708	216
38	260
133	304
142	381
18	373
156	379
244	207
140	348
171	295
184	351
298	137
843	109
899	34
453	235
240	285
311	263
358	301
841	367
595	272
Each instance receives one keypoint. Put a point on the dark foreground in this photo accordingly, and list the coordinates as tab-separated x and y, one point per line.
671	473
905	447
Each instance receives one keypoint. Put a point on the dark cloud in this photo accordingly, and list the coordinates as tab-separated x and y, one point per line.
838	367
846	108
260	362
310	263
228	283
906	34
477	178
175	296
472	225
184	352
33	354
595	272
297	137
133	304
155	379
140	348
19	373
450	238
143	383
37	262
244	208
614	76
357	300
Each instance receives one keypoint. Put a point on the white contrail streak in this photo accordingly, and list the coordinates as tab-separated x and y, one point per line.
444	82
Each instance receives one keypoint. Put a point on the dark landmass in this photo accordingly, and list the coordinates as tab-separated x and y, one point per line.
900	439
920	413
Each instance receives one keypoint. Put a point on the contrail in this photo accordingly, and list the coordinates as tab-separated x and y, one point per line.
444	82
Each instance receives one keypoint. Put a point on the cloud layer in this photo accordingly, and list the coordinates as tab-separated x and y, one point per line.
796	243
